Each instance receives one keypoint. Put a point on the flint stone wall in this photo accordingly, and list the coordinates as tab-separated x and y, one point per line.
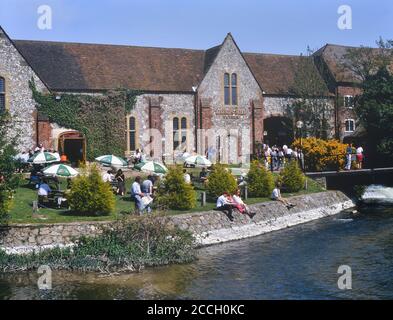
209	227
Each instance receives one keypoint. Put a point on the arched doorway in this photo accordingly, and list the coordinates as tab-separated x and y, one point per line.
73	145
278	131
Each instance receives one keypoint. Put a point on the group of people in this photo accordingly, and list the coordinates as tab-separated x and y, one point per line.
275	157
227	203
117	180
350	153
142	194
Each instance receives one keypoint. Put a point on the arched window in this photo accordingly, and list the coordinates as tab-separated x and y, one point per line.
230	89
2	94
183	130
349	125
234	89
131	133
227	89
175	128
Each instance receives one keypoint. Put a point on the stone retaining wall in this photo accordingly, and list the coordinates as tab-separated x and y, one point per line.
209	227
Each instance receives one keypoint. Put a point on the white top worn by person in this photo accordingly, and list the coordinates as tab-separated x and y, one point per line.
187	178
136	189
222	201
44	190
276	194
107	177
359	151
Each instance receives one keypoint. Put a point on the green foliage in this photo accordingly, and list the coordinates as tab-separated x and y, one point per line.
127	245
292	177
90	195
375	111
308	84
100	117
8	179
260	181
221	180
175	193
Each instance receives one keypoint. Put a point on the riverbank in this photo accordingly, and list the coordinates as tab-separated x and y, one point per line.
210	227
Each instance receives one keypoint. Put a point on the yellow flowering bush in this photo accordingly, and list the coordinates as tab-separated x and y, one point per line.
322	154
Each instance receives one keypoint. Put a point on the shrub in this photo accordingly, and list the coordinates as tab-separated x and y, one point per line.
90	195
322	154
127	245
260	181
175	193
221	180
292	177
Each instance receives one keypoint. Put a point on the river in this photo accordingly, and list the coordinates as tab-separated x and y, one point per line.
296	263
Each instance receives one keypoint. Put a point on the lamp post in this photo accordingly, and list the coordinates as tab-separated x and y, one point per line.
299	125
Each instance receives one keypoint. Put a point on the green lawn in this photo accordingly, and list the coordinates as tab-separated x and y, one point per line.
25	195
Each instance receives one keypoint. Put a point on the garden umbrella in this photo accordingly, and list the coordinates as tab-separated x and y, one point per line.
151	166
198	161
112	160
61	170
44	157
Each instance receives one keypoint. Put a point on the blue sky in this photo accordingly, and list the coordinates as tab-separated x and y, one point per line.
275	26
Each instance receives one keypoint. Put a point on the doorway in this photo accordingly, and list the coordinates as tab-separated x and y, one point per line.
73	145
278	131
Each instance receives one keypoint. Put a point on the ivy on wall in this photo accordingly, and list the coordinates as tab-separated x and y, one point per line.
101	117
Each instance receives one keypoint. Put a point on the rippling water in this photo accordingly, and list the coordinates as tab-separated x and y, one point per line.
296	263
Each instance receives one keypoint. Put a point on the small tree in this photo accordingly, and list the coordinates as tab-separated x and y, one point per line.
90	195
175	192
292	177
260	181
220	181
8	179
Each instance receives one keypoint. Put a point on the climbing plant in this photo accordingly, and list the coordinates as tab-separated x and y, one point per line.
100	117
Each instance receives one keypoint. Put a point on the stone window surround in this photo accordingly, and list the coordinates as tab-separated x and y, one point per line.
180	117
346	101
6	92
230	87
128	151
349	121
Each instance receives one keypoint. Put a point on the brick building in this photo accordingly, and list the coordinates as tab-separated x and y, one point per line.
219	99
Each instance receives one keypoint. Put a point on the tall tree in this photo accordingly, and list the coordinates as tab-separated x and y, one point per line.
375	111
311	105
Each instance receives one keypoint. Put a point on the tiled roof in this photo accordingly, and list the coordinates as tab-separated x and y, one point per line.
84	67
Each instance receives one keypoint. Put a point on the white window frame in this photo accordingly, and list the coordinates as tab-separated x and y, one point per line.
354	125
345	101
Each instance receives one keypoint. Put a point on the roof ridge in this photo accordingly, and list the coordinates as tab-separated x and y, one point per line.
272	54
105	44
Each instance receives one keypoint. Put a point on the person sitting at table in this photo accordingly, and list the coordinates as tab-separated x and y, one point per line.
108	177
43	192
203	175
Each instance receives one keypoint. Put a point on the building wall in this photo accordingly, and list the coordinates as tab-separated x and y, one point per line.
154	114
235	121
19	101
343	112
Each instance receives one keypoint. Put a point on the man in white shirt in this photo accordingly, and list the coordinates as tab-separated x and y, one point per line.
276	196
187	177
223	204
108	177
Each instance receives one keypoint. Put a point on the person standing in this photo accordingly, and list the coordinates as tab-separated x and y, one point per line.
147	186
121	182
137	195
359	157
348	156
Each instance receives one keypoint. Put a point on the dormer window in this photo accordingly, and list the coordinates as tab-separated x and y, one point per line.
230	89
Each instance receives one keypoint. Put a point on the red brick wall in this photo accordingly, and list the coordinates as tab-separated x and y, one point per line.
45	134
